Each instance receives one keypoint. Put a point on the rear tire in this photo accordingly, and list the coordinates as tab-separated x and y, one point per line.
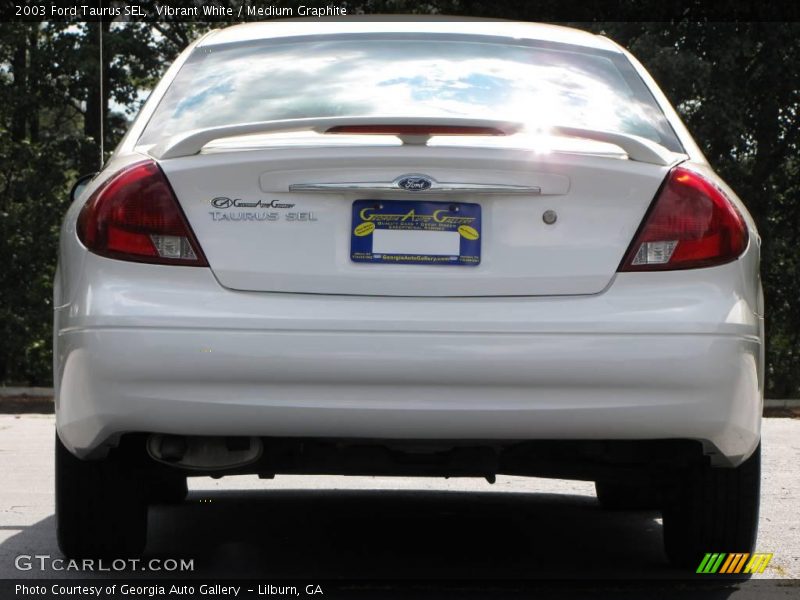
713	510
101	506
622	496
169	488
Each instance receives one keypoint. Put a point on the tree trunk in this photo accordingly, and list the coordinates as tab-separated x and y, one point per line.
33	82
19	68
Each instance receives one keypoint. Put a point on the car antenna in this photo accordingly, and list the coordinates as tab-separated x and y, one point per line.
102	133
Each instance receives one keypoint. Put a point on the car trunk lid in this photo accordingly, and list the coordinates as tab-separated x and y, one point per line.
284	218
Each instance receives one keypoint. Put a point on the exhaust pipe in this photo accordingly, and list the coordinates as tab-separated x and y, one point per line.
204	453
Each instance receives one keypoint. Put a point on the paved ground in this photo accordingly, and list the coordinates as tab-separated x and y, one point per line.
385	527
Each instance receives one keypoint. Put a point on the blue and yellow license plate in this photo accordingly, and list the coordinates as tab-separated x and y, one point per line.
416	233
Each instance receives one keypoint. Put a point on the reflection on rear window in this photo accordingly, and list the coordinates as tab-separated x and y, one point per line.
538	83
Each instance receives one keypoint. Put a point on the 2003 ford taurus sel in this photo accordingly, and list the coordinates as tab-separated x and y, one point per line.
432	248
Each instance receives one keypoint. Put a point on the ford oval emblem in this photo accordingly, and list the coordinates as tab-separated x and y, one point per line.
414	183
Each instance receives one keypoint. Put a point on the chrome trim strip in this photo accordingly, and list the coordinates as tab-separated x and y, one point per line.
435	188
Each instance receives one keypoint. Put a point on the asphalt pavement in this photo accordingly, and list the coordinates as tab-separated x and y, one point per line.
381	527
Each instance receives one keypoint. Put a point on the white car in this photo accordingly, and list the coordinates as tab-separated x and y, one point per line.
410	248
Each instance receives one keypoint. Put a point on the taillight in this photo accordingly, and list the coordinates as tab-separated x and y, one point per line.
135	216
691	224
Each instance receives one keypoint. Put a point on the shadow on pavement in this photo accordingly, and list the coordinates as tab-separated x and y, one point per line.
387	533
449	543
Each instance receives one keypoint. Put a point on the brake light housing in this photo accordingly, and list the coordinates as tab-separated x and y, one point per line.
135	216
691	224
423	130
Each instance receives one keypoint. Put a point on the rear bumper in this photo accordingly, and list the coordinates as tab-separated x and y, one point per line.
189	357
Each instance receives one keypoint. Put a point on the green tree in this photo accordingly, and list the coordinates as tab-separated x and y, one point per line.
50	114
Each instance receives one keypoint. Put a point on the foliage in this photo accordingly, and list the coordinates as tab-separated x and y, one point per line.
735	83
49	135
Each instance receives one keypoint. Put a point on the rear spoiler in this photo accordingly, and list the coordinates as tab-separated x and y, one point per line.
411	130
191	142
637	148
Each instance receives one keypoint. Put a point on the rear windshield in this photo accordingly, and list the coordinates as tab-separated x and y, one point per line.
539	83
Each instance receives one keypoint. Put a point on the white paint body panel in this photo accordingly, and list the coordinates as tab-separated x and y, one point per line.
553	348
661	355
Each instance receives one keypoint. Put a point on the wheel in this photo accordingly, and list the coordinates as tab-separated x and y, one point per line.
169	488
622	496
713	510
101	506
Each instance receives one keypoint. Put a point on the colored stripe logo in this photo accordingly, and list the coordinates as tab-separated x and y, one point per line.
736	562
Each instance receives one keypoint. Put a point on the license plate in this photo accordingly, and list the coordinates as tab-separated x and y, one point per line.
416	233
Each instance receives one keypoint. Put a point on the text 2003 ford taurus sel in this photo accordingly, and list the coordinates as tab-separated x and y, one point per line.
439	248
